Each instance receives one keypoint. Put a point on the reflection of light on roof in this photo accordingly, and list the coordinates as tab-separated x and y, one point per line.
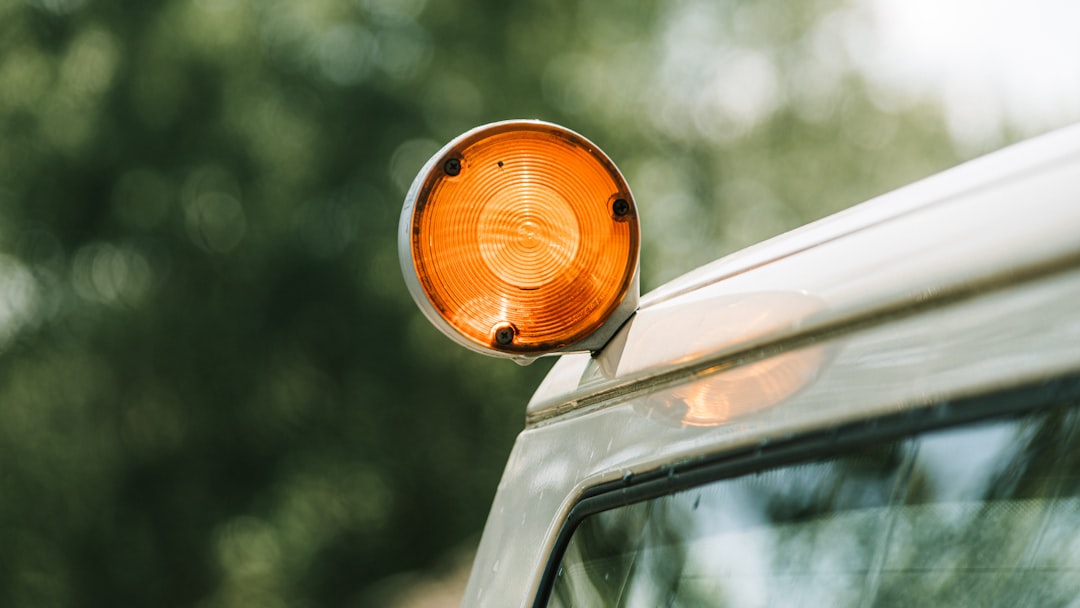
733	393
993	65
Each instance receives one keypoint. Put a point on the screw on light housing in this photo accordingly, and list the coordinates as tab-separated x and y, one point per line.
504	334
620	207
452	166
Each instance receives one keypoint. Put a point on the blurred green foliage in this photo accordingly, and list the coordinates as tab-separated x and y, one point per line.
214	388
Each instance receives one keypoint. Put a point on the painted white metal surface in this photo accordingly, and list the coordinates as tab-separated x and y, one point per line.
955	286
1015	162
998	215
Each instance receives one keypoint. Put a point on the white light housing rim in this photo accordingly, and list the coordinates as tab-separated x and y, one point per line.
592	342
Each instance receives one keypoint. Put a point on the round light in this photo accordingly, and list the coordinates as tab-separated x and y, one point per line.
520	238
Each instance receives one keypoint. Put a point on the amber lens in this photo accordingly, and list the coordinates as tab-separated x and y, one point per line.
525	237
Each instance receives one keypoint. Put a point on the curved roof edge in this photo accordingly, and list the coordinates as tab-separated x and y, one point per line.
991	221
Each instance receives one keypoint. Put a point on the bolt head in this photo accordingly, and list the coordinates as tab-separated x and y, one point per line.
452	166
503	334
621	207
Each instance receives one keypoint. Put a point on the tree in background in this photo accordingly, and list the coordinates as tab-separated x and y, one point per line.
214	388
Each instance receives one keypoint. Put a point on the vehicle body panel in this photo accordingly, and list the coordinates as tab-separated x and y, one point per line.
958	286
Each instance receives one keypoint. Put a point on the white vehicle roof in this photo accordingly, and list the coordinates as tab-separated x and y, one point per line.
960	284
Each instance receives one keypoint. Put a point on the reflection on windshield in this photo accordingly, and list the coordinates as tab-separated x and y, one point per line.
984	515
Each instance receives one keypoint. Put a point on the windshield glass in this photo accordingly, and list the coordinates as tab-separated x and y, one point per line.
979	515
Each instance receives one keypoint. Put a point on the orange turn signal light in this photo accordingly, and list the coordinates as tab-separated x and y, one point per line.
521	238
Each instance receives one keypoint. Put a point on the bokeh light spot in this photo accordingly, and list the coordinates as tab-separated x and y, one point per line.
345	53
18	298
114	275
